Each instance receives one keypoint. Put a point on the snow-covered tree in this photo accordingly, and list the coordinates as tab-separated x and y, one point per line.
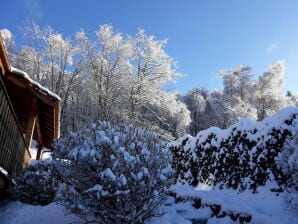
268	90
196	100
222	109
116	77
153	68
237	81
242	96
8	39
108	69
292	98
238	85
170	114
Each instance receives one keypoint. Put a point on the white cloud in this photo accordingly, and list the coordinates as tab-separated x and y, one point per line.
33	8
271	48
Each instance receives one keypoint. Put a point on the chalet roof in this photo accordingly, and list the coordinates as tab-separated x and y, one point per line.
29	98
43	90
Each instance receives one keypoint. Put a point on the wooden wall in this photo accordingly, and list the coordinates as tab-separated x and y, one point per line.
13	156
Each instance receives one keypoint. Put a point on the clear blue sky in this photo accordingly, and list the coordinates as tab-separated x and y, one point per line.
203	36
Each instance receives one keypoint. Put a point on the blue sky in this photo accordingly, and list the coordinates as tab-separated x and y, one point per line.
204	36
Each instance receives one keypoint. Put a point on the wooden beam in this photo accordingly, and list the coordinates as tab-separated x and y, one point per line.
2	71
28	139
39	138
27	158
57	120
39	150
30	131
46	151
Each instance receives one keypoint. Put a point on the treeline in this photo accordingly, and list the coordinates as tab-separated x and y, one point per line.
121	78
116	77
242	96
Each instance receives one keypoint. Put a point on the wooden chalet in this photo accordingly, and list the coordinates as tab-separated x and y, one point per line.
27	111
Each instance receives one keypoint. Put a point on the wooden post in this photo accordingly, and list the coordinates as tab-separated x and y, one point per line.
30	131
29	136
39	138
38	155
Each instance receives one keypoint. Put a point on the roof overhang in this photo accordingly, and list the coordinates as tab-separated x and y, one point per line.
30	98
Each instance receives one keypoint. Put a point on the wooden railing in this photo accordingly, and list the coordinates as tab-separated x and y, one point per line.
12	145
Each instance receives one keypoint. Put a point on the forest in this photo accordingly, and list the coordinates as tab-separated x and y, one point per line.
118	77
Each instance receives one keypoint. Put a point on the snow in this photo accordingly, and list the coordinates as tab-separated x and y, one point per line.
122	179
264	206
170	215
96	187
33	151
34	84
225	220
19	72
15	212
108	173
203	187
19	213
3	171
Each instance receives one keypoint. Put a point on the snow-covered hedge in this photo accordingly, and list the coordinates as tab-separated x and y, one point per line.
243	156
115	173
287	161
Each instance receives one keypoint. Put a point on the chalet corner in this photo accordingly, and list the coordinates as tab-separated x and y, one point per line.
27	111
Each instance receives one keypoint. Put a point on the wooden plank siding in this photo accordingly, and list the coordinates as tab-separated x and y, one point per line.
13	154
28	111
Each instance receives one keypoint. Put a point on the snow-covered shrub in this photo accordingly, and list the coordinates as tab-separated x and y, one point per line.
287	161
115	173
38	184
240	157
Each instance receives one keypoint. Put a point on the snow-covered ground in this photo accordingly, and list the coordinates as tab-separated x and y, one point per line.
33	151
264	207
15	212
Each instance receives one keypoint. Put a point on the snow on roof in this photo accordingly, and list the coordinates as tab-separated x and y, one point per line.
19	72
3	171
43	90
